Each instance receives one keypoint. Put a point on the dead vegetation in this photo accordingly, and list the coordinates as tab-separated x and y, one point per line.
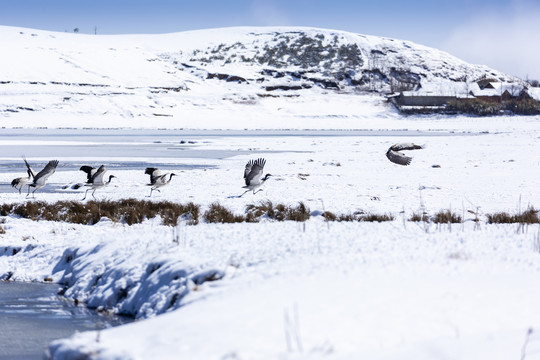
447	217
128	211
357	216
529	216
217	213
279	212
132	211
419	217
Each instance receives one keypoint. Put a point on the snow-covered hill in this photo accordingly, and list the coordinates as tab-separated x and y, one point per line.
221	78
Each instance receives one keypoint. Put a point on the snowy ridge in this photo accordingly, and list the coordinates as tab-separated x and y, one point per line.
177	80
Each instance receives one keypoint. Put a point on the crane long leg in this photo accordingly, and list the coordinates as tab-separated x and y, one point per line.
257	191
152	189
86	193
93	194
244	193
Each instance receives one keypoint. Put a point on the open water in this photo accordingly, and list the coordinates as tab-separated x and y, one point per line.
32	315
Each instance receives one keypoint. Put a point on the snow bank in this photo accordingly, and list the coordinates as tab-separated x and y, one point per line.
292	290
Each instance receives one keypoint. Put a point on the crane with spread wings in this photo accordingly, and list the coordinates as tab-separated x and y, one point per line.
395	155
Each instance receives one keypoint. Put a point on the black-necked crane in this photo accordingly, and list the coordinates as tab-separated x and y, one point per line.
157	179
394	155
21	181
41	177
253	176
97	180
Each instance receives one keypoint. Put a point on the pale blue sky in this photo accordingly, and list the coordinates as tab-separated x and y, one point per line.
493	32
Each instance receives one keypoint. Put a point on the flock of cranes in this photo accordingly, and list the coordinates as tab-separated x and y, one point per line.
253	173
95	178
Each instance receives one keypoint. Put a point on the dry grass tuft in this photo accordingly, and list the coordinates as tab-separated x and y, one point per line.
264	208
329	216
279	212
217	213
357	216
419	217
446	217
376	217
529	216
500	218
298	213
129	211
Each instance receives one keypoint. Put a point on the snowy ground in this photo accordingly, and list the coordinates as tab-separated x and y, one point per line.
291	290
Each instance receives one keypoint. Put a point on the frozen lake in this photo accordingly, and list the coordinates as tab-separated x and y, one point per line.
125	149
136	147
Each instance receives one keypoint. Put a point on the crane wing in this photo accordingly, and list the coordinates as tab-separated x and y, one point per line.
89	170
406	146
398	158
253	171
154	174
31	173
49	169
98	176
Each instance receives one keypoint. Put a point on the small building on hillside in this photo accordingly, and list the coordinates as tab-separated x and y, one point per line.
421	102
498	92
410	98
431	102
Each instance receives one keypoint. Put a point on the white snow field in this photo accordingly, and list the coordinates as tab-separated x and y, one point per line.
268	290
316	290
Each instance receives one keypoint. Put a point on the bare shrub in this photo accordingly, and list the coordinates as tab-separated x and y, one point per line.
129	211
279	212
529	216
263	208
347	217
500	218
446	216
217	213
376	217
329	216
298	213
419	217
358	216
